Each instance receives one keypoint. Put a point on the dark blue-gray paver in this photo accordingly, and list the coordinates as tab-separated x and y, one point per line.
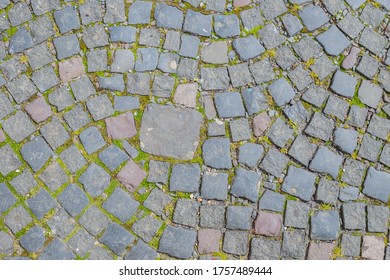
147	59
57	250
299	183
354	215
139	12
212	78
113	157
327	191
10	161
73	199
377	185
377	218
245	184
67	19
24	182
346	139
273	8
348	194
95	180
73	159
33	240
124	34
337	107
19	13
216	153
114	83
292	24
21	88
229	104
212	216
66	46
214	186
254	100
82	88
121	205
94	221
141	251
150	37
326	161
248	47
123	62
189	46
17	219
297	214
100	107
55	133
197	23
7	199
115	11
249	154
235	242
41	203
146	228
343	84
18	126
239	217
186	212
185	177
92	139
177	242
281	91
158	171
91	12
168	16
264	249
333	41
42	29
54	176
168	62
350	245
325	225
272	201
6	244
81	243
36	153
157	201
20	41
226	26
313	17
126	103
274	162
61	224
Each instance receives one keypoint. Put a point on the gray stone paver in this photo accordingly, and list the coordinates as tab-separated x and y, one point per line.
194	129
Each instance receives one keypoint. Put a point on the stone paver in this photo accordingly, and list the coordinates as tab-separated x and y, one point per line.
192	129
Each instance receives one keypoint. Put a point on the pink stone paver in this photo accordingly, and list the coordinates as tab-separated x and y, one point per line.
71	69
320	251
241	3
351	59
131	175
208	240
373	247
260	123
121	126
186	95
39	110
268	224
2	136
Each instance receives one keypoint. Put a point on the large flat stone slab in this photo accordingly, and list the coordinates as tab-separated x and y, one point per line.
170	131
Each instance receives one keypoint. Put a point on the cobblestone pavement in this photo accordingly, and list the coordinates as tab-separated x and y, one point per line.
194	129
